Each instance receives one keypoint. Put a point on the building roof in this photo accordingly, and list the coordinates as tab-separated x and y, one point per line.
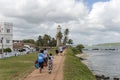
21	45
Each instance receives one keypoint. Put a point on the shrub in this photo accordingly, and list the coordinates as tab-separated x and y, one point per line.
7	50
75	50
80	47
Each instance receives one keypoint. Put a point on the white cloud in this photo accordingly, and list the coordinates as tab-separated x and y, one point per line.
37	17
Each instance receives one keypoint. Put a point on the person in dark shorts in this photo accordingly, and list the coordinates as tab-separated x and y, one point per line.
56	51
41	60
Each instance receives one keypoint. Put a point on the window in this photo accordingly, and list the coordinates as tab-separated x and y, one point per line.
8	30
7	41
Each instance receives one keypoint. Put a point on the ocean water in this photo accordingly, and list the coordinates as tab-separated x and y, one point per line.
104	62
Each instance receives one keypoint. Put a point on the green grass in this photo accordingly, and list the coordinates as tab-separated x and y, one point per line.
109	44
16	68
74	69
51	51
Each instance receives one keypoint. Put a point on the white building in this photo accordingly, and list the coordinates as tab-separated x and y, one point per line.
6	34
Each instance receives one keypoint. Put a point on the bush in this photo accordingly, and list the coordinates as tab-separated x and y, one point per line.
7	50
80	47
75	50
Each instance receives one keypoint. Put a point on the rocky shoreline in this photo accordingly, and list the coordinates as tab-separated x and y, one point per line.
84	56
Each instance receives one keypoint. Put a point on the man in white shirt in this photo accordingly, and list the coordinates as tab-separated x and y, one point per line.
60	50
46	56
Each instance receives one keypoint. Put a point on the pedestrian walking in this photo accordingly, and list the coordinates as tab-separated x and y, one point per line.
46	57
41	60
50	63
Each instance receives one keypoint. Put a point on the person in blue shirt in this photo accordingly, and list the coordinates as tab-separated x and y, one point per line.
41	60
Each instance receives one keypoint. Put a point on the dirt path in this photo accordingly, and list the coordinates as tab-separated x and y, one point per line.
57	73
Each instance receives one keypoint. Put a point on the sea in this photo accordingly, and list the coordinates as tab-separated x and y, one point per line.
104	60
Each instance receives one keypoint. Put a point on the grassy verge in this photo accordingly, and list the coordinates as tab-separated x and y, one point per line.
51	51
16	68
74	69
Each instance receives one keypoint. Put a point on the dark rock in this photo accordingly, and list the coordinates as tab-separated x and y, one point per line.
101	77
116	79
106	78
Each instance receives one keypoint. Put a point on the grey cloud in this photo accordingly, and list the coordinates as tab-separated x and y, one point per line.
33	18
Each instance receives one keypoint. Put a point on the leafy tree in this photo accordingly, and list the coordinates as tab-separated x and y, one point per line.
46	40
28	41
80	47
65	40
70	41
39	41
52	42
66	32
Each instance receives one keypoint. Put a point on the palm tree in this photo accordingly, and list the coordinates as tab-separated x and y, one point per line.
65	40
70	41
66	32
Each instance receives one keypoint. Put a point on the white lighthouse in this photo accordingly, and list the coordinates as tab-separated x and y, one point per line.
6	34
58	39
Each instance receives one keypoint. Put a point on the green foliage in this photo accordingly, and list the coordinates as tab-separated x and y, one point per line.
75	50
66	32
39	41
65	40
74	69
109	44
70	41
80	47
52	42
7	50
45	40
28	41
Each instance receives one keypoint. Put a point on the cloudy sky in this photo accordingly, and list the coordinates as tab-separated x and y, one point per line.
89	21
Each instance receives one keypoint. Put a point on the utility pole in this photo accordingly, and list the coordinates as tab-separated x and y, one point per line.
2	46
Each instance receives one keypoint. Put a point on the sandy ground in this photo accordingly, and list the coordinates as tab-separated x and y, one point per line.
57	72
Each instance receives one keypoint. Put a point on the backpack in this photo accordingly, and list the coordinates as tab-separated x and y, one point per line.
40	57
